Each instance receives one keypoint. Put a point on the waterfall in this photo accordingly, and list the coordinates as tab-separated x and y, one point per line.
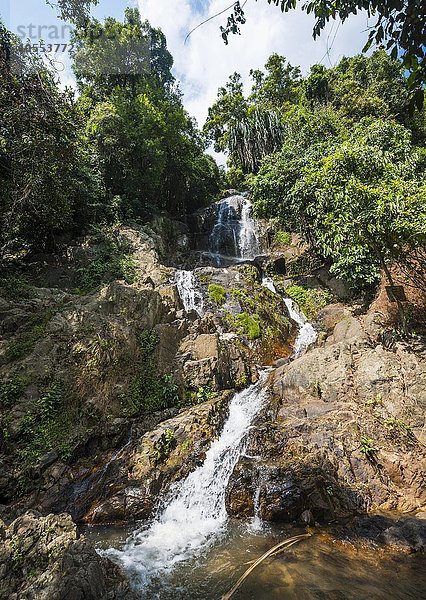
223	240
195	512
307	334
234	235
190	295
248	243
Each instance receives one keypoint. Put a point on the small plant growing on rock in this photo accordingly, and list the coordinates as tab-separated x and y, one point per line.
246	324
203	394
398	428
374	401
217	294
11	391
163	447
367	448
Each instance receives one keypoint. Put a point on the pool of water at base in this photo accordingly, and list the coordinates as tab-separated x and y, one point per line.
317	568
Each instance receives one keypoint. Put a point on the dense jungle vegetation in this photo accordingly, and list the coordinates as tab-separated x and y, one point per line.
336	156
123	147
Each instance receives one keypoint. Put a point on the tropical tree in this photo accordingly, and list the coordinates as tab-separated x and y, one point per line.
400	28
359	203
43	168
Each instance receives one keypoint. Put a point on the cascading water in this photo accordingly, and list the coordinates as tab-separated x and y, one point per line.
223	239
307	334
190	295
248	242
195	512
234	235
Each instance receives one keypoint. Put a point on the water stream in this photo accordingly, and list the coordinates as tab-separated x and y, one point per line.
307	334
234	236
194	514
190	294
191	550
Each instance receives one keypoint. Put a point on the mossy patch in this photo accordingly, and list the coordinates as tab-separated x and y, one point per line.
283	237
217	294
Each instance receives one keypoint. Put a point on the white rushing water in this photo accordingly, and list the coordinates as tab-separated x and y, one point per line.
190	294
234	234
223	240
248	242
307	334
195	513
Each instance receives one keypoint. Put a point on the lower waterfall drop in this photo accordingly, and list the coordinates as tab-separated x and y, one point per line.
195	513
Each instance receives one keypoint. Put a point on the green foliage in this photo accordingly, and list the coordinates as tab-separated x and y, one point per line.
126	148
47	427
148	391
146	148
248	325
113	260
368	448
163	447
11	390
217	294
43	165
25	342
283	238
15	287
399	24
203	394
309	300
358	202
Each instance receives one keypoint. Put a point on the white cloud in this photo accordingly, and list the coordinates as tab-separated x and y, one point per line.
205	62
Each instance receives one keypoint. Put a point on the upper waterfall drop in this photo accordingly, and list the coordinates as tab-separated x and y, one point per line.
234	234
248	241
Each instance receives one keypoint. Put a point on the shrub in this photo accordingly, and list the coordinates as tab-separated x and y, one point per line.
248	324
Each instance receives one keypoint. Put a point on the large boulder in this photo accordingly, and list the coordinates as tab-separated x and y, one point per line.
125	485
347	433
42	558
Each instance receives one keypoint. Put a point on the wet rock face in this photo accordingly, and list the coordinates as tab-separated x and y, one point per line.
346	435
281	498
241	490
42	558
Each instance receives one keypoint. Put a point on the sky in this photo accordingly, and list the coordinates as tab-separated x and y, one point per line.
203	63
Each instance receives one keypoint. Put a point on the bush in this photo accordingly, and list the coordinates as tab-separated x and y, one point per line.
249	325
